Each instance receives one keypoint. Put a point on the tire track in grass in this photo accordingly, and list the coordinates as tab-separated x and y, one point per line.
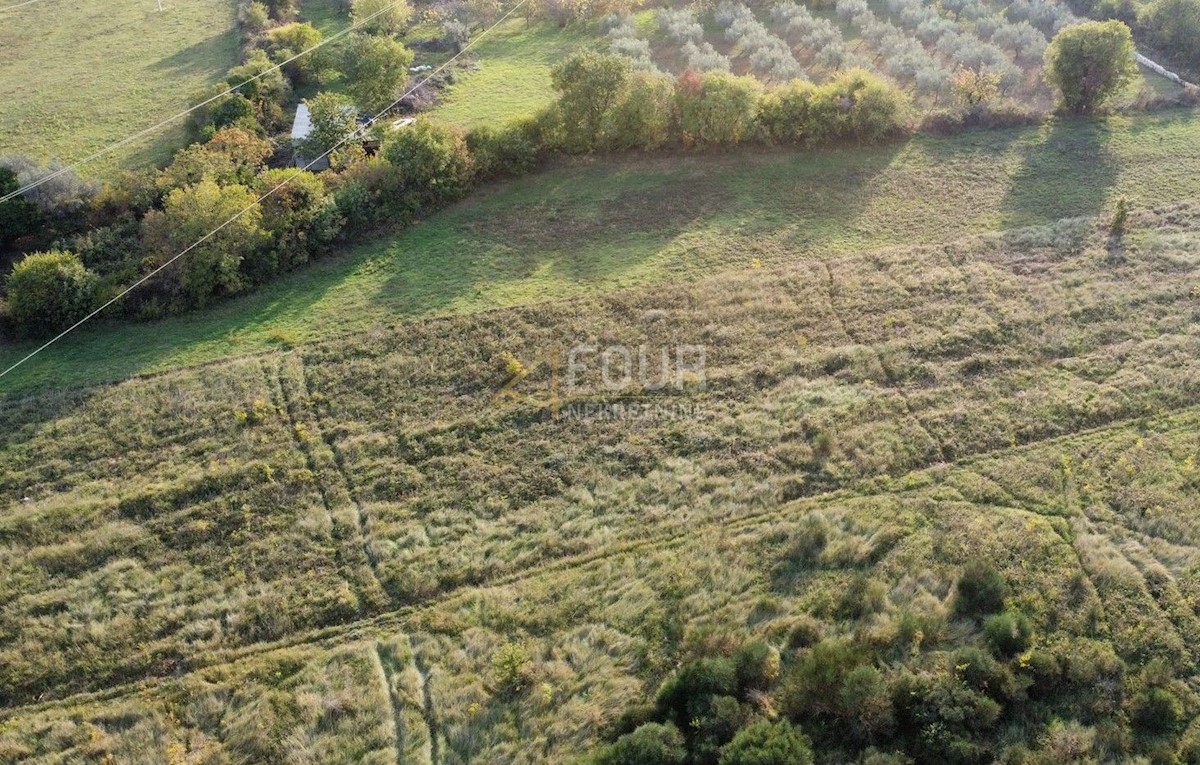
362	517
430	713
391	621
889	377
391	692
367	585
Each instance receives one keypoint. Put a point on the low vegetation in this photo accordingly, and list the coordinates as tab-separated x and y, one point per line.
494	587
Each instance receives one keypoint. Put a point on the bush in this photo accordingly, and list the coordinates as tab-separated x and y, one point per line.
643	115
767	743
757	666
981	591
507	152
49	291
433	161
693	684
1091	63
716	108
810	687
300	216
1008	633
511	667
651	744
588	84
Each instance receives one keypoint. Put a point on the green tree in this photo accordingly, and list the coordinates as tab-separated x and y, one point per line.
334	119
387	17
49	291
232	155
376	69
264	86
18	216
1091	63
1175	25
588	84
717	108
767	743
293	40
300	216
651	744
213	267
433	161
642	116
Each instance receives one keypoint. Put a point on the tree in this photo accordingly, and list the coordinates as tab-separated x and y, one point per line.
768	743
49	291
975	86
651	744
642	116
588	84
1090	63
213	267
300	216
1175	25
232	155
334	119
293	40
387	17
376	68
717	107
433	161
18	216
264	86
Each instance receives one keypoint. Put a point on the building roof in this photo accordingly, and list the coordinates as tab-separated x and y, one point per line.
302	125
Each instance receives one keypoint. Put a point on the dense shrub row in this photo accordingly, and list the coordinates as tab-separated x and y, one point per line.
971	685
141	222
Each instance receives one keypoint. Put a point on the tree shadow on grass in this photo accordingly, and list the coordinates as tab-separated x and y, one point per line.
207	57
1068	171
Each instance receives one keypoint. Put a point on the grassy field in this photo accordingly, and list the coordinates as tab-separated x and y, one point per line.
513	78
587	228
318	555
76	76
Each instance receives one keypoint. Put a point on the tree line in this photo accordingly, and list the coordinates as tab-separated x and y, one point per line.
97	240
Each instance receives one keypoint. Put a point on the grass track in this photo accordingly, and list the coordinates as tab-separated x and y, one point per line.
595	227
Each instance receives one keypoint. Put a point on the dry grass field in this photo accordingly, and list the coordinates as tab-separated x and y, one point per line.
324	554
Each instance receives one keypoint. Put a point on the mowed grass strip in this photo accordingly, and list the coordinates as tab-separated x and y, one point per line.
592	227
513	75
77	75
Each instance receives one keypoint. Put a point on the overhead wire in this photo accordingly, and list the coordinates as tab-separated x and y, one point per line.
311	163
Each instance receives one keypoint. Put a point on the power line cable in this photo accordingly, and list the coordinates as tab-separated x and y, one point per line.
262	198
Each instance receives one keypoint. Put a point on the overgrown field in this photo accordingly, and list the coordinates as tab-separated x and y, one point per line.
325	555
584	227
75	77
